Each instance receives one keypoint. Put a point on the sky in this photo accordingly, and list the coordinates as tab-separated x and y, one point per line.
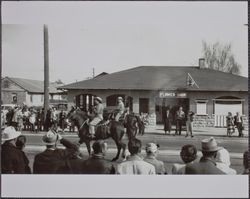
114	36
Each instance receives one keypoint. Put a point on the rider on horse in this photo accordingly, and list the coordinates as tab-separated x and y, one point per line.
120	109
98	115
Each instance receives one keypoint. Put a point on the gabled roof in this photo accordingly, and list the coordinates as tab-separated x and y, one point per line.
165	78
34	86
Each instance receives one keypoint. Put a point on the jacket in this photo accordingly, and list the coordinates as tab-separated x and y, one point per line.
13	160
52	161
98	110
135	166
159	165
205	166
97	165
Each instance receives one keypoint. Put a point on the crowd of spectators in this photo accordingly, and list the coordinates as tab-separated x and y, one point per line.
70	160
33	119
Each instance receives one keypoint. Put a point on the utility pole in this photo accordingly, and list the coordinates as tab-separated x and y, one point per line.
46	69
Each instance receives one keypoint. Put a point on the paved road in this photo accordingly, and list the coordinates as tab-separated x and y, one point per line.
169	146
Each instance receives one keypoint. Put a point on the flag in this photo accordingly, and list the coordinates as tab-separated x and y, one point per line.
190	81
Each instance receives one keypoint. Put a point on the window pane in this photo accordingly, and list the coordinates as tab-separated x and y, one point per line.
201	108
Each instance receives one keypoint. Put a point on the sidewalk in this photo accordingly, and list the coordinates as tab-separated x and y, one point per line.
206	131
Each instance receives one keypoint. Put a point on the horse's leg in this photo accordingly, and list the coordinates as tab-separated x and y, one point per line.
118	145
87	142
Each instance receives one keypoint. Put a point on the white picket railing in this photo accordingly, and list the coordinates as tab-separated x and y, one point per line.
220	120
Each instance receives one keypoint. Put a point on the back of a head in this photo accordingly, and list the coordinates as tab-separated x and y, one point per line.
134	146
188	153
246	159
21	141
99	146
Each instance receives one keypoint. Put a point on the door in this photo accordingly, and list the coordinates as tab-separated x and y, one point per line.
144	105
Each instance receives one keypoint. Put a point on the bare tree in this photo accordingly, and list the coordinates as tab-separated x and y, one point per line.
220	57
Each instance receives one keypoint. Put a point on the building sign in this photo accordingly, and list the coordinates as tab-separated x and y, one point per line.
167	94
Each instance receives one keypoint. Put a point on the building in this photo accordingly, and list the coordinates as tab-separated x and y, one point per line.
147	89
29	92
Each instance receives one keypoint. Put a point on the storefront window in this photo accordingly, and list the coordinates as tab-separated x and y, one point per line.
201	107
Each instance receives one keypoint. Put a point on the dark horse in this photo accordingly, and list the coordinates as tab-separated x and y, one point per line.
113	129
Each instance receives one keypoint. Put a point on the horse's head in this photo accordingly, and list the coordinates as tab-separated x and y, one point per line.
76	115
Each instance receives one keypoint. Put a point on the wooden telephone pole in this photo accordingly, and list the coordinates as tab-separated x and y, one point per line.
46	69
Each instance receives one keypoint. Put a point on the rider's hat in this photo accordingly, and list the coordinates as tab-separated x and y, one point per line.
119	98
98	99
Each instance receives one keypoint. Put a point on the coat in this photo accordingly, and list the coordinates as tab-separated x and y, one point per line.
135	166
54	161
13	160
97	165
205	167
159	165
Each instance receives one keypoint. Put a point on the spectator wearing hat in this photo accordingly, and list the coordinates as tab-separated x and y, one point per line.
54	160
245	162
98	115
120	108
223	162
207	164
97	164
135	165
152	152
12	159
20	144
188	155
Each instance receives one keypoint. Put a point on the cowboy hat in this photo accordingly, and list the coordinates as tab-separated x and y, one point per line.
50	138
98	99
209	145
10	133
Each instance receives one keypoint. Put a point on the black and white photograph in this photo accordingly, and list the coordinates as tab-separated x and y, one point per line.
108	92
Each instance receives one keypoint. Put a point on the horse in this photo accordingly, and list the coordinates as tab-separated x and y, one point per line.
113	129
134	125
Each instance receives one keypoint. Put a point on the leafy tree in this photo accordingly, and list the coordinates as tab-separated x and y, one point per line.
220	57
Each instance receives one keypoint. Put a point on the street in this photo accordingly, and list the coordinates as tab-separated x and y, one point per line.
169	145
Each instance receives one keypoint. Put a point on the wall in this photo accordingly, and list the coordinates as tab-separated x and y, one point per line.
207	121
213	95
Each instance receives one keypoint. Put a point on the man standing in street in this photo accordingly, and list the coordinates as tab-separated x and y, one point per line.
135	165
238	122
180	116
189	123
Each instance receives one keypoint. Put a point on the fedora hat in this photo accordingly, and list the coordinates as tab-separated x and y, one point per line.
209	145
98	99
10	133
50	138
